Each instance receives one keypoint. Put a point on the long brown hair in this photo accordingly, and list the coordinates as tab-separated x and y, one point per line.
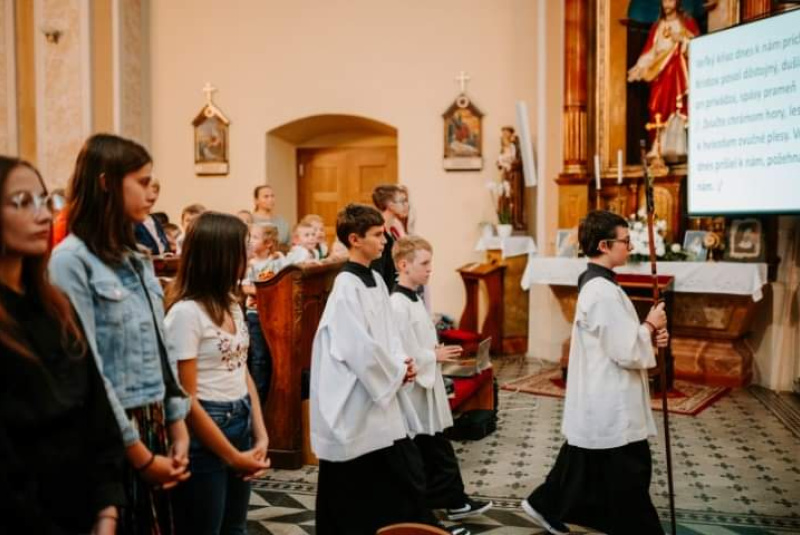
37	287
95	211
213	262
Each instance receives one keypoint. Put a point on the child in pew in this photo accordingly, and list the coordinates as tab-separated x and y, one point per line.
370	472
304	245
316	222
264	261
413	257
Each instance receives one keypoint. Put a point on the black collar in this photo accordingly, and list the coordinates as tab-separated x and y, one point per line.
408	292
594	271
362	272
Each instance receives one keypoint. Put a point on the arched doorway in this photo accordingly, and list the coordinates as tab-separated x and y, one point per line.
334	160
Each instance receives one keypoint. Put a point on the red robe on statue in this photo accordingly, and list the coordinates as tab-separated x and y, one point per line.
663	63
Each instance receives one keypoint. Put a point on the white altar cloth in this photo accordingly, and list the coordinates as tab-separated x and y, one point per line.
732	278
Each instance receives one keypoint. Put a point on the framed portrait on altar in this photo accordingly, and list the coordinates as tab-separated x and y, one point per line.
745	241
463	136
211	142
694	245
567	243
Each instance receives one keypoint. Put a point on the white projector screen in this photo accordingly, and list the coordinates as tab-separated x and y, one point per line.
744	119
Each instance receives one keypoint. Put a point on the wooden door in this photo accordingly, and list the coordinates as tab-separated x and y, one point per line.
330	178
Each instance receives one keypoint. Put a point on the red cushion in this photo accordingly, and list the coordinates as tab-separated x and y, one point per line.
459	336
465	387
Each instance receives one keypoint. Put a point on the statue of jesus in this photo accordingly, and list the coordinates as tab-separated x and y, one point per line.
663	62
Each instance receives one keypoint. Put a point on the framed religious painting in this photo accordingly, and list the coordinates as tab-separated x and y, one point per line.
211	140
641	75
745	241
567	243
463	136
694	245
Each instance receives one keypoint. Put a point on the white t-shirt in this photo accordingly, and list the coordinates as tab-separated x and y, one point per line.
221	356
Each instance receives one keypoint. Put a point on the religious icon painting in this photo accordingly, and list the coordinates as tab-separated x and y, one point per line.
567	243
745	241
210	139
463	136
694	245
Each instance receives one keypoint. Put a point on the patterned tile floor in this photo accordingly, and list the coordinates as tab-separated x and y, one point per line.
736	465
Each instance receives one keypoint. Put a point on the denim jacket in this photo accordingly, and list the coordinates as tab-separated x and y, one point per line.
112	306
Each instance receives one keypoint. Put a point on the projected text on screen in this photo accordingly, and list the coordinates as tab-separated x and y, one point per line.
744	118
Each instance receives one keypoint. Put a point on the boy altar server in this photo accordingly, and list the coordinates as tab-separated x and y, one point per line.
601	478
413	257
370	472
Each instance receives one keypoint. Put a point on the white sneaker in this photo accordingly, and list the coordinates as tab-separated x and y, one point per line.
552	526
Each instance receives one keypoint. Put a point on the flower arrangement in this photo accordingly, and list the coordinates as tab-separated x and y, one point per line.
500	191
640	241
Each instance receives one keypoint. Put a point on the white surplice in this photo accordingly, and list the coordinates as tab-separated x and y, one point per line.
607	403
418	336
358	402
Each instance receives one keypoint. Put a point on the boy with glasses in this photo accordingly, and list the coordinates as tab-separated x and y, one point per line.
601	478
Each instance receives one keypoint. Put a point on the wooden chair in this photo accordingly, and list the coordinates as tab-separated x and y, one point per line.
411	529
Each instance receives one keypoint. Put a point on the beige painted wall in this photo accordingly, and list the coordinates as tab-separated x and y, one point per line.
8	109
394	62
63	87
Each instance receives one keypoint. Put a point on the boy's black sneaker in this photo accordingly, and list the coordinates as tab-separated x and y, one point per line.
552	525
470	508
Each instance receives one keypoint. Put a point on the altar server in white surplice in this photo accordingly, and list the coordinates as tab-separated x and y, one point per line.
601	478
370	472
413	257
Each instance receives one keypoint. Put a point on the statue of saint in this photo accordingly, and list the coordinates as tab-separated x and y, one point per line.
509	163
663	63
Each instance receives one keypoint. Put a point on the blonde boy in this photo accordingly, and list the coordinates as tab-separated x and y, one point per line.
304	243
316	222
413	258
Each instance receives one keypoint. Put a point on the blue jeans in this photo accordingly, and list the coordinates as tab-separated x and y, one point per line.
259	359
214	500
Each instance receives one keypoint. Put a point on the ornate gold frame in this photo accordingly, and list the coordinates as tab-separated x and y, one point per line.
610	77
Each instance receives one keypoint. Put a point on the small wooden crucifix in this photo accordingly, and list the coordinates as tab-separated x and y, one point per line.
658	167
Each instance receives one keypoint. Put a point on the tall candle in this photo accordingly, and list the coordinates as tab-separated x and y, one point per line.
619	167
597	171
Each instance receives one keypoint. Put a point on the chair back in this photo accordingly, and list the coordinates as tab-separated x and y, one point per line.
411	529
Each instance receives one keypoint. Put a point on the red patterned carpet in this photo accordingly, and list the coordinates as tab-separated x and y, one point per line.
684	398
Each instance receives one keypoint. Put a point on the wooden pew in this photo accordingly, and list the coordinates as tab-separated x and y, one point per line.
290	306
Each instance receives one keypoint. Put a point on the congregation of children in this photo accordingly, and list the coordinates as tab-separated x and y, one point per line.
133	405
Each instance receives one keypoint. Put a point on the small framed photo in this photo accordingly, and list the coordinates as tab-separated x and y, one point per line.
745	241
567	243
694	246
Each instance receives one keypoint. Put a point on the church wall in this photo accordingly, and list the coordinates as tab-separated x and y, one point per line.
8	134
281	166
63	87
394	62
776	329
